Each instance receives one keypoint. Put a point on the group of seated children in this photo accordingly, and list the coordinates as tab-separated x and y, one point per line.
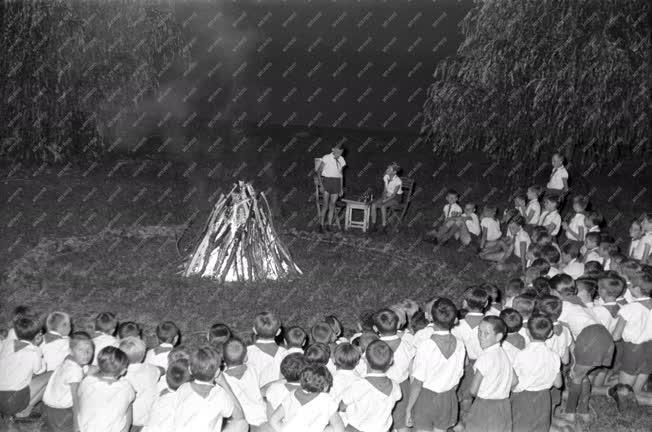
496	364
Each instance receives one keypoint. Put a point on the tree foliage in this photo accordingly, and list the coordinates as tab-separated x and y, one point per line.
70	69
535	76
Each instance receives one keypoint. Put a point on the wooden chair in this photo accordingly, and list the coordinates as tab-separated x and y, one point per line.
319	198
397	213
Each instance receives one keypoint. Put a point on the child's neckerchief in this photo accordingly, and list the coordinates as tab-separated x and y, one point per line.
394	341
268	346
20	344
380	382
645	302
51	337
292	386
445	341
473	319
622	301
164	392
575	300
236	371
516	339
304	397
202	388
613	308
163	348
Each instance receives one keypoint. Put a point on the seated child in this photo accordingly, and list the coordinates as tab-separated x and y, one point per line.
587	288
490	231
386	325
143	377
550	218
104	399
275	392
514	341
346	358
295	339
265	356
636	248
517	210
468	225
575	229
129	329
561	338
203	403
61	400
571	262
448	227
161	418
318	353
55	346
369	402
593	269
362	343
438	369
392	194
514	245
552	255
606	249
22	371
337	327
524	304
19	312
533	209
309	408
592	222
493	380
495	298
646	240
218	334
537	368
514	287
540	287
244	383
167	334
105	326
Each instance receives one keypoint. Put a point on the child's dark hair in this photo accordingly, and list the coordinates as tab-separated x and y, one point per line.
476	298
593	236
179	352
572	250
205	361
266	325
235	352
549	306
418	321
295	337
444	313
219	333
27	327
112	361
166	332
541	286
538	190
550	254
512	319
366	320
588	285
593	267
21	310
498	325
346	356
323	333
386	322
127	329
79	337
316	379
178	373
106	322
318	353
379	356
537	232
495	295
336	325
563	284
524	304
292	365
453	192
595	218
552	199
515	286
612	286
363	341
540	327
643	280
582	201
518	220
542	265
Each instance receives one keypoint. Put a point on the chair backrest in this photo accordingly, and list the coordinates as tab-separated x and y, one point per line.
407	188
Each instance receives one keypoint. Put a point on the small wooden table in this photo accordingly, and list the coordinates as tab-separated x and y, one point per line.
349	222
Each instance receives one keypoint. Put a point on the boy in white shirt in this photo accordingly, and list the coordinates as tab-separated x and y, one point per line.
491	232
61	399
570	260
295	339
161	418
168	335
370	402
533	208
392	194
22	371
244	383
438	369
550	218
576	229
558	183
592	244
450	212
55	346
514	340
515	244
641	246
143	377
265	356
105	326
346	358
275	392
329	172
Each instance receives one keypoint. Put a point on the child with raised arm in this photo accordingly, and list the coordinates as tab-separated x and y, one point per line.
438	368
265	356
392	193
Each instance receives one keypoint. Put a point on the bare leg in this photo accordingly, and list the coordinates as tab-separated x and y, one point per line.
331	208
324	207
374	209
36	390
383	214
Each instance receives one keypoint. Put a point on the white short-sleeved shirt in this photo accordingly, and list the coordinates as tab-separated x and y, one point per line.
469	336
473	224
159	356
391	185
574	268
560	343
556	178
638	326
637	249
593	255
102	341
58	393
104	404
521	237
161	418
493	228
268	368
553	271
55	351
144	378
536	367
368	408
574	225
576	317
438	373
399	371
193	413
342	380
19	361
422	335
332	166
533	206
278	390
602	312
452	210
496	372
247	391
510	350
525	332
548	218
314	416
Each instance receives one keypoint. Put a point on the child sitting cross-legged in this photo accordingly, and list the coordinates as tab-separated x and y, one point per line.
309	408
161	418
61	398
244	383
265	356
55	346
276	391
515	244
167	334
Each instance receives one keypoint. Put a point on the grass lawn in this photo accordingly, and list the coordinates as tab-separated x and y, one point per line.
77	239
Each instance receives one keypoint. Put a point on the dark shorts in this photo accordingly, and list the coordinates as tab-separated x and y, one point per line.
398	414
435	410
332	185
531	411
13	402
594	347
489	415
58	419
635	359
464	389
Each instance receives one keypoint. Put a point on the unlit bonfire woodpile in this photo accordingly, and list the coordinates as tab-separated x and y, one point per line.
239	242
